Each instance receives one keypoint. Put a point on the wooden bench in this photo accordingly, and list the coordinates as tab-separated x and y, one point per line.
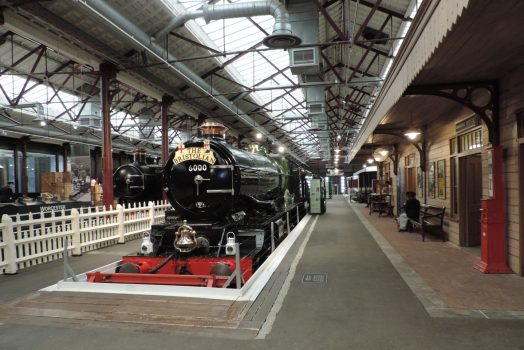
430	221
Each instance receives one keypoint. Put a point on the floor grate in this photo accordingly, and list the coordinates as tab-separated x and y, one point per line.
314	278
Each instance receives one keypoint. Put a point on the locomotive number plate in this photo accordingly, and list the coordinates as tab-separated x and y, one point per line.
197	167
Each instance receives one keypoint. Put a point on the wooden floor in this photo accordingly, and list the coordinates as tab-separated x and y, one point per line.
136	309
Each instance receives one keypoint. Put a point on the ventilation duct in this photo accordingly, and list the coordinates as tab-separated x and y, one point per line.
304	19
282	36
304	60
91	114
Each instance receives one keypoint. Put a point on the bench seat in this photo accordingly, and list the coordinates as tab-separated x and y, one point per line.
431	220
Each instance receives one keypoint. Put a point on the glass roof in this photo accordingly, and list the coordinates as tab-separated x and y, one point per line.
42	102
254	68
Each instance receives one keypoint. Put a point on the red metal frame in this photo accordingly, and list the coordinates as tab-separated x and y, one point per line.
196	271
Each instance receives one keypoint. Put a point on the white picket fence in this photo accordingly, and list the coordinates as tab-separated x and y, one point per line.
34	239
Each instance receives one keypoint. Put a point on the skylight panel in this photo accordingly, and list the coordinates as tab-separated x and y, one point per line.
253	69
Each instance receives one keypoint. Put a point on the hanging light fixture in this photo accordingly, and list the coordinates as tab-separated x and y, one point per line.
380	154
412	132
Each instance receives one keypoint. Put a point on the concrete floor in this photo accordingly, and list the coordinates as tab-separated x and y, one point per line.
365	304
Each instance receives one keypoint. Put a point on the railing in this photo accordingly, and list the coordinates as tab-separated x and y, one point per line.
35	239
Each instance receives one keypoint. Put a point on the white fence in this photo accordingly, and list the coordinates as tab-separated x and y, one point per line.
34	239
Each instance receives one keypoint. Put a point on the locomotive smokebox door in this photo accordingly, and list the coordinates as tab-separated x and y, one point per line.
199	179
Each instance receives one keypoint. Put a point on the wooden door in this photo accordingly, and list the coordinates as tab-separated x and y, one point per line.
521	206
411	180
469	201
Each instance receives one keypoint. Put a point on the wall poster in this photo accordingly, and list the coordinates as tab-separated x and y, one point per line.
431	180
441	179
420	182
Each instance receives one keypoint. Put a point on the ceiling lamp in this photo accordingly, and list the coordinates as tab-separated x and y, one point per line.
412	133
281	149
337	150
380	154
339	137
43	122
370	160
259	136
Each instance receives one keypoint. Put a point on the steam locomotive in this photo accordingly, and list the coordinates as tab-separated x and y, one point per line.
138	181
221	196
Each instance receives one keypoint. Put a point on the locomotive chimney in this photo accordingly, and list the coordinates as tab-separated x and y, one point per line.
139	156
213	130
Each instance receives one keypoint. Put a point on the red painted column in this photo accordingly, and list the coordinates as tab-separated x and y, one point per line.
493	218
108	73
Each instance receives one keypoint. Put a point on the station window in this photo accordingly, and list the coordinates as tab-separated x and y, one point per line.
454	189
38	163
7	167
453	146
409	160
387	171
471	140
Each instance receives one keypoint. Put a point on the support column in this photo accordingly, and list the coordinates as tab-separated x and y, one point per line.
66	154
23	145
167	101
108	74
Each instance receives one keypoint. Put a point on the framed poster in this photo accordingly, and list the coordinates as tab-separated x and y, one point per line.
441	179
431	180
420	183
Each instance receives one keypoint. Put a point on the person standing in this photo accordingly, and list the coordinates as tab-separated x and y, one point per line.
6	193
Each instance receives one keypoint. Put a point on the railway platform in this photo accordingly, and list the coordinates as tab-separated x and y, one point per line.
340	287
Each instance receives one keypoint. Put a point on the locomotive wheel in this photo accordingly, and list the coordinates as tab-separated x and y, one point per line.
221	269
128	268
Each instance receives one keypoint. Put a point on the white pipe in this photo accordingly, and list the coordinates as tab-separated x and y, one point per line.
237	10
143	41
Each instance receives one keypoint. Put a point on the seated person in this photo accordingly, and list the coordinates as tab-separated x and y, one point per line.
6	193
411	212
412	206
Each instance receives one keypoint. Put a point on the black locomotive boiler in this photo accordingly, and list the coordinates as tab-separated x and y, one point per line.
222	196
138	182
